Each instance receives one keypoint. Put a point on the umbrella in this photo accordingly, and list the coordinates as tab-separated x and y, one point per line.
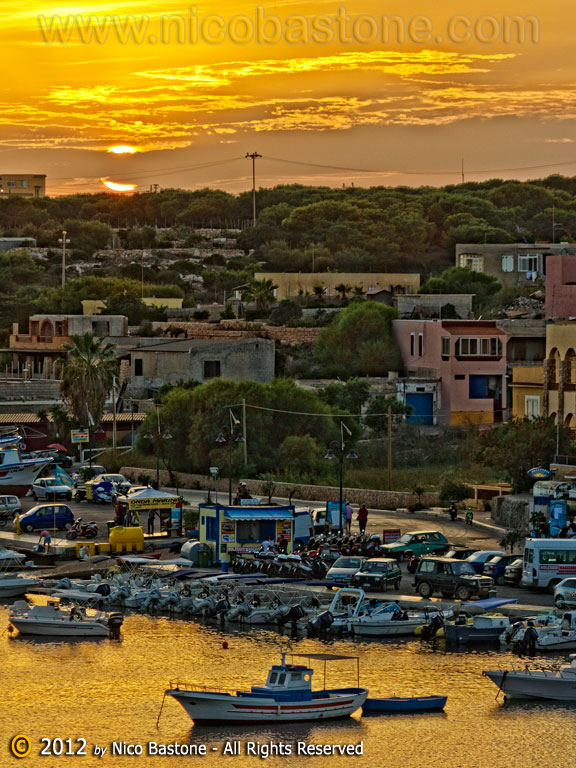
57	447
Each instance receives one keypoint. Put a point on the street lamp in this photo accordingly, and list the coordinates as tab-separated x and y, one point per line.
340	447
63	241
231	436
159	441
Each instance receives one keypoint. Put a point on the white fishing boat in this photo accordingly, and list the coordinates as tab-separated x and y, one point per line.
537	682
52	620
17	474
12	584
389	621
554	633
287	696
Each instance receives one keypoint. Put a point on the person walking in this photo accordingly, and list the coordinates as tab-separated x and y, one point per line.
349	513
362	518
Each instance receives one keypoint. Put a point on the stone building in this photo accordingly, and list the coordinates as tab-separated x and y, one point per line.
156	362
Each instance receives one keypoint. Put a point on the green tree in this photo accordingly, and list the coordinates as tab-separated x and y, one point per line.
350	396
377	413
285	313
301	457
359	342
520	444
453	489
464	280
87	371
261	292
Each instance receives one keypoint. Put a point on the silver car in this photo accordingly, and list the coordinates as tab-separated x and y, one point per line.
11	504
565	593
51	488
344	568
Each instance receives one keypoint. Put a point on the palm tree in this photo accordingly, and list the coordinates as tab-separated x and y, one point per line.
87	373
343	288
261	292
359	291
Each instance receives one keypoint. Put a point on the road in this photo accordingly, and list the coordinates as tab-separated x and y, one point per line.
456	532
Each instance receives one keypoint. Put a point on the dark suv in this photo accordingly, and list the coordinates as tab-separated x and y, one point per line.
450	577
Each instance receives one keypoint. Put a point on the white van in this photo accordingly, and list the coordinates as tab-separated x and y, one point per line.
547	561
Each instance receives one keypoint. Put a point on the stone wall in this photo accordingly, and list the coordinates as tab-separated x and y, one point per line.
240	329
512	511
321	493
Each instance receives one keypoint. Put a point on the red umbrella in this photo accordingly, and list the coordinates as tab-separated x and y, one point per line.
57	447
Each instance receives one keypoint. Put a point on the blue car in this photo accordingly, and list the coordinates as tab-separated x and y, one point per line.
479	559
496	566
47	516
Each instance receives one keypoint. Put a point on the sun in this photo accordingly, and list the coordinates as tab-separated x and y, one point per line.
123	149
118	187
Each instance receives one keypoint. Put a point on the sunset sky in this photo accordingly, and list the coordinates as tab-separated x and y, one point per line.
408	112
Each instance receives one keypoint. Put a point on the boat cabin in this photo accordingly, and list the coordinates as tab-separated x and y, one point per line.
288	682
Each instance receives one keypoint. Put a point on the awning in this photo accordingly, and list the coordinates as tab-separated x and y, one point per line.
257	514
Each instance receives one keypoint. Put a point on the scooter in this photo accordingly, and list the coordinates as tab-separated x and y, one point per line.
5	518
453	511
85	530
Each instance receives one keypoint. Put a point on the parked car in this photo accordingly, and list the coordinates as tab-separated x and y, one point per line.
479	559
460	553
513	572
565	593
87	472
48	516
496	566
119	481
344	569
50	488
11	504
450	577
417	542
378	573
62	459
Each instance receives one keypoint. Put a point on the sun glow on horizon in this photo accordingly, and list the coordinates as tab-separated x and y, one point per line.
115	187
122	149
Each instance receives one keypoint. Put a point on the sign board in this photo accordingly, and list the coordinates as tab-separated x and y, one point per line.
390	534
228	538
539	473
79	435
162	502
558	516
227	527
244	550
255	502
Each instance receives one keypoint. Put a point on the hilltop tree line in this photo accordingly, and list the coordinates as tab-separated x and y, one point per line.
301	227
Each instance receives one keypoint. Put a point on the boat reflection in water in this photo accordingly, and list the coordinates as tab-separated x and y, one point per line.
103	691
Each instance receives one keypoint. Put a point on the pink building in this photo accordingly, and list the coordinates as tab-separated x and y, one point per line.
465	359
561	286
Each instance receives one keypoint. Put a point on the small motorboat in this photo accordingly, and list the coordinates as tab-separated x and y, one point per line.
537	682
52	620
486	628
287	696
405	704
389	620
12	584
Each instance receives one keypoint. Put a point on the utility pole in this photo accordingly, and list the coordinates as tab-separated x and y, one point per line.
389	447
253	156
114	432
462	169
244	431
63	242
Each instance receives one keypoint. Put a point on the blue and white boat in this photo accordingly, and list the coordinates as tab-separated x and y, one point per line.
17	474
405	704
287	696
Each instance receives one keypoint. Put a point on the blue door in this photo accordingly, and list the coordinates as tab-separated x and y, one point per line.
422	408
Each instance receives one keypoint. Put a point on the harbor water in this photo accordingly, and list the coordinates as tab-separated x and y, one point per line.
106	692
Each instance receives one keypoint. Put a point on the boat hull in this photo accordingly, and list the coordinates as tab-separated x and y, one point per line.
389	629
15	587
408	704
534	685
464	634
58	628
17	479
215	708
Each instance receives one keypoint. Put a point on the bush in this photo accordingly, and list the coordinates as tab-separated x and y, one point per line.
451	489
286	313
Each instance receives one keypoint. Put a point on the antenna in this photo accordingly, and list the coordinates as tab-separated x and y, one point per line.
253	156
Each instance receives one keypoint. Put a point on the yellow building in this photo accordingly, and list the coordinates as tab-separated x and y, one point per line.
549	389
23	184
292	284
95	306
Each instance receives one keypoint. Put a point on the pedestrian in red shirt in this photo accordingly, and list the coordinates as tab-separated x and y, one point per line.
362	518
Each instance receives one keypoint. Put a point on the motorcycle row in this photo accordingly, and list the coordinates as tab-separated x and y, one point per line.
310	561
